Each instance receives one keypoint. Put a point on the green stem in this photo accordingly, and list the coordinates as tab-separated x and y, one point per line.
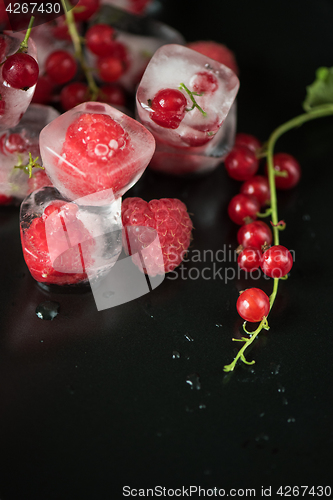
76	39
318	112
24	43
194	102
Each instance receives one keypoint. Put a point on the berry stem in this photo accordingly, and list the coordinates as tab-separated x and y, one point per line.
24	43
317	112
182	86
76	39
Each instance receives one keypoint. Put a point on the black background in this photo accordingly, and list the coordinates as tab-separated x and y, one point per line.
94	401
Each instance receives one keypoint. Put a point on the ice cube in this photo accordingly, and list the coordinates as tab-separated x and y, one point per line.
184	99
133	6
13	102
15	146
140	37
94	148
69	243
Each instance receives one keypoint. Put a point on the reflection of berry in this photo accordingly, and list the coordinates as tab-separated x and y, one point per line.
253	305
71	246
216	51
169	107
20	71
94	155
161	236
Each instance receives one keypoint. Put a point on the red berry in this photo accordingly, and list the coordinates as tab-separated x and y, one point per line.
258	187
249	259
242	206
43	90
99	39
112	94
216	51
284	162
241	163
84	9
250	141
168	108
255	234
110	68
73	94
20	71
253	305
204	82
5	200
60	66
276	261
13	143
166	219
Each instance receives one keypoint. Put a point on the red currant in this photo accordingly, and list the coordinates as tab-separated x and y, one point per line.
284	162
110	68
169	108
112	94
5	200
43	90
84	9
73	94
20	71
216	51
250	141
258	187
242	206
276	261
204	82
249	259
253	304
241	163
99	39
255	235
60	66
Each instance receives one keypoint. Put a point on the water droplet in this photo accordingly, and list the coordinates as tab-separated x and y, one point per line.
262	439
275	369
108	294
189	410
47	310
284	401
291	420
175	355
207	472
193	381
188	337
70	389
218	325
306	217
159	434
41	341
262	414
202	407
281	388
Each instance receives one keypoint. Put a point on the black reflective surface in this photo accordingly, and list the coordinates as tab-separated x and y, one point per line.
93	401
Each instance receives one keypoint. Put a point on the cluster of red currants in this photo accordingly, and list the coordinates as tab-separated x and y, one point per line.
255	236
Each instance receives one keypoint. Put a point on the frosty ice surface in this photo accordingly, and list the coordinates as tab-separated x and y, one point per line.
94	148
205	130
15	145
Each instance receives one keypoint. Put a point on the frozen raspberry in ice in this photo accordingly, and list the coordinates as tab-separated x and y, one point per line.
93	148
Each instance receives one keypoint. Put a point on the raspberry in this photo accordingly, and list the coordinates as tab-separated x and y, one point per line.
166	218
95	155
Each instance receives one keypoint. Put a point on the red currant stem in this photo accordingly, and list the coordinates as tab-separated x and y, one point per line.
24	43
248	341
28	168
182	86
76	39
267	212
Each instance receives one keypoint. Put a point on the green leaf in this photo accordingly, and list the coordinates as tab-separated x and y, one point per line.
320	92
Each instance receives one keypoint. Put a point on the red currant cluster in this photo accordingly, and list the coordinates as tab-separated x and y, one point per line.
255	236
